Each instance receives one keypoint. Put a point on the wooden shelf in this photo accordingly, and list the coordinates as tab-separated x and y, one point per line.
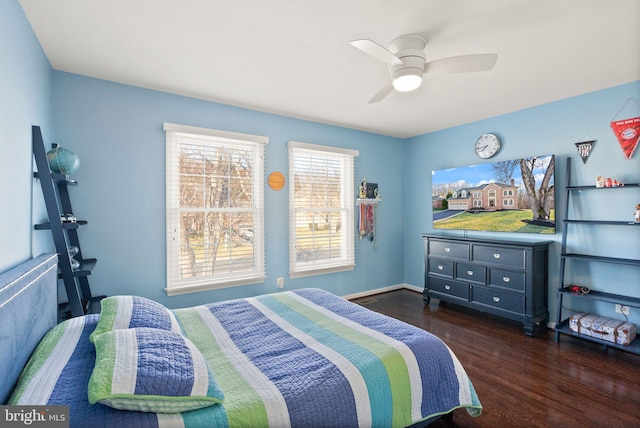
602	188
59	178
85	269
65	225
563	328
617	260
367	201
605	297
604	222
65	233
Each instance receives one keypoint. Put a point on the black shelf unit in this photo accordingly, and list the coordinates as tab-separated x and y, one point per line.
563	328
65	233
562	325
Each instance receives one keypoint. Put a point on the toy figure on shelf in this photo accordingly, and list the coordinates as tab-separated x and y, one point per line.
637	213
363	188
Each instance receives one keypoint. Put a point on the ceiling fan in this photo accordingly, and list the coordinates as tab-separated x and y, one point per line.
407	62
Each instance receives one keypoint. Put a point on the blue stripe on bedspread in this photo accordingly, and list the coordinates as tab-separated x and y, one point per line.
71	389
301	374
142	315
440	381
146	383
372	369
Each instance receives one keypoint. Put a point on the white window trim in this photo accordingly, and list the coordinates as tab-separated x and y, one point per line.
296	271
205	283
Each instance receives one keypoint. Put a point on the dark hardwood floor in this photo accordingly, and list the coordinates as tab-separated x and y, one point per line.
525	381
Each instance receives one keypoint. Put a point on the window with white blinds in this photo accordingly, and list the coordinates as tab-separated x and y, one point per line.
321	209
214	204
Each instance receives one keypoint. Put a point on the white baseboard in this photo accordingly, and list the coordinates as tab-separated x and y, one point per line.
383	290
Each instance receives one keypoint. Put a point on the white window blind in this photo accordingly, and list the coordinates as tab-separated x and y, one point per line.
321	209
214	209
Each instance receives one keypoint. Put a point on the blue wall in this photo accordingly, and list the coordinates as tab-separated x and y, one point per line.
547	129
25	99
117	132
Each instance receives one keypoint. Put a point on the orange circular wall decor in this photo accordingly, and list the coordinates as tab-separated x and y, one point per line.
276	180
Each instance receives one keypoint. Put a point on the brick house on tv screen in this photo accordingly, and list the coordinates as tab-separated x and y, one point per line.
490	196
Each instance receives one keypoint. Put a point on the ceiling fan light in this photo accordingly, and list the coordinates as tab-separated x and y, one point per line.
407	80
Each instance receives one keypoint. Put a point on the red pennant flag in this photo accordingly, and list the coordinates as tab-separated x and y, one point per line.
626	126
627	132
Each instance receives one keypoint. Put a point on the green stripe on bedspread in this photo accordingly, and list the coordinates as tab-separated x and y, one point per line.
387	368
246	405
60	341
386	377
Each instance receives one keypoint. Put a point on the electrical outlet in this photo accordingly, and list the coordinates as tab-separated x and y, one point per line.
280	282
621	309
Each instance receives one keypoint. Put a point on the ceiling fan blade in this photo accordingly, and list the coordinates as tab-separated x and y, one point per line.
383	92
462	64
376	51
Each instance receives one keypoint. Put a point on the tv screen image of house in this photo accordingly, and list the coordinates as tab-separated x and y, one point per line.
516	195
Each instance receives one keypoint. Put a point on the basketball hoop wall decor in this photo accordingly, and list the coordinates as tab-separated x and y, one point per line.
626	127
276	180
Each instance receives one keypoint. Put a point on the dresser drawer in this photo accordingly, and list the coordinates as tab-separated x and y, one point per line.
498	299
451	288
511	257
441	267
453	250
504	278
469	272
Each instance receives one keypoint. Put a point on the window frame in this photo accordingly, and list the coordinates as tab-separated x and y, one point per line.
347	230
205	136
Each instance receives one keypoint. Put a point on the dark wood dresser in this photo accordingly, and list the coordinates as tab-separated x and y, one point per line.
506	278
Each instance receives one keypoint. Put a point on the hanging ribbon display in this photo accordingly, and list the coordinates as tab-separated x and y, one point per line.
367	222
368	202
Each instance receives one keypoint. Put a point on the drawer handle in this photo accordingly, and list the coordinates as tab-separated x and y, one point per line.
470	272
440	267
496	299
496	255
447	287
506	279
447	250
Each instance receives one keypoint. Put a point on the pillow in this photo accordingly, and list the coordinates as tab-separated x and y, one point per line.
150	370
119	312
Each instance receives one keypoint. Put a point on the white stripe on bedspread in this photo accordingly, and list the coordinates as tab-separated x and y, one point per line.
274	403
200	383
124	310
124	363
406	353
351	373
464	391
170	420
40	391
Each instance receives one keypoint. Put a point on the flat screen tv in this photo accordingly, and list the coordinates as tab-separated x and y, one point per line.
516	195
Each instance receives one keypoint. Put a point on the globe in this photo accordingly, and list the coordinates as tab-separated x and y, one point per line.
63	161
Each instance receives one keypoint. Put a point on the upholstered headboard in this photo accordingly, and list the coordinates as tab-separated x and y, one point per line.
28	309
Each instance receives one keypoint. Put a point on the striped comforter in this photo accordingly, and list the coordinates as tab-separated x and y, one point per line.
302	358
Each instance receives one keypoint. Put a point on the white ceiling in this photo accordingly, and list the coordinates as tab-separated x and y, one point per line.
293	57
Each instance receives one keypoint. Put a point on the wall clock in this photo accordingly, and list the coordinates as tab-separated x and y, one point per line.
487	146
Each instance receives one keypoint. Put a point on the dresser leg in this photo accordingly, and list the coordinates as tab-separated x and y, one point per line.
528	329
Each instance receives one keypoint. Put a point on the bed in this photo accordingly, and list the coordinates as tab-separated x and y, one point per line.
298	358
